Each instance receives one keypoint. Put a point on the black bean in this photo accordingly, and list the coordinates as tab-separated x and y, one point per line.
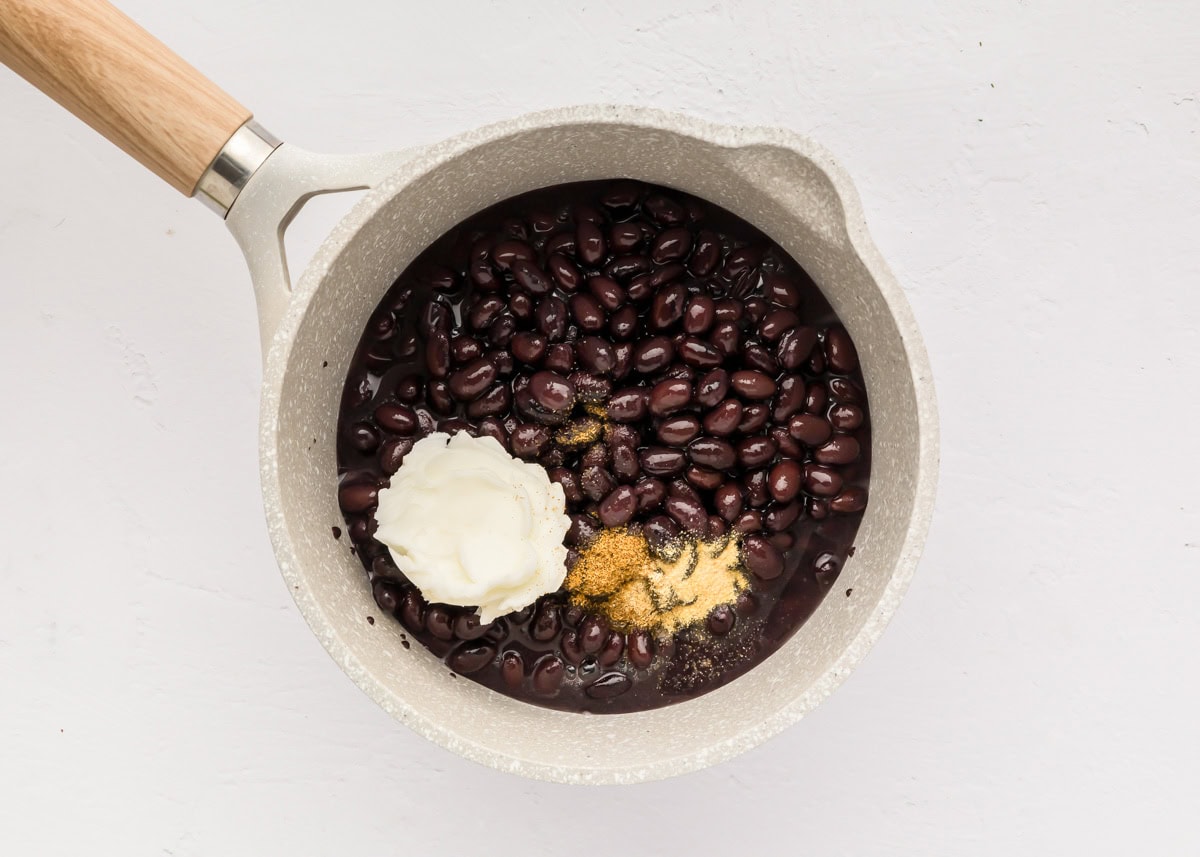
592	633
490	403
611	651
661	461
484	311
506	252
493	428
660	531
723	420
650	493
821	481
437	354
668	306
596	482
756	309
721	619
358	496
809	429
387	595
840	449
748	522
569	482
528	347
618	507
756	451
560	357
502	359
464	349
669	396
591	388
609	685
780	517
679	372
668	273
625	267
756	356
740	262
472	379
440	398
699	314
653	354
595	354
663	210
564	273
551	315
788	446
546	622
528	440
755	484
706	255
727	500
726	337
410	387
439	622
412	611
625	465
789	399
425	421
391	455
776	323
728	309
672	244
548	674
629	405
795	346
702	478
363	436
501	331
512	669
783	482
845	390
436	316
456	424
761	557
678	431
553	392
712	452
818	509
712	388
483	276
816	398
561	243
840	353
752	385
587	312
852	499
582	530
589	243
640	288
845	417
688	513
405	346
754	417
397	419
471	657
624	237
607	292
596	455
696	352
781	289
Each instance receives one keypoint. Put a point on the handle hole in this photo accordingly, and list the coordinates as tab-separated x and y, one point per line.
309	223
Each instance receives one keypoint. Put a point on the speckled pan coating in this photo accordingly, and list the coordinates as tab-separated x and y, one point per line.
784	185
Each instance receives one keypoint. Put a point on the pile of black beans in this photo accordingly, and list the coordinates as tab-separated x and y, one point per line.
673	370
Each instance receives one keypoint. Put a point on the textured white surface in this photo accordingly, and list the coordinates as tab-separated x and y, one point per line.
1037	687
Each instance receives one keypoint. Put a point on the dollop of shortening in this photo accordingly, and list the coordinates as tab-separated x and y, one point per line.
469	524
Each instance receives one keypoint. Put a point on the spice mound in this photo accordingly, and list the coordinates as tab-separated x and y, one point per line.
620	578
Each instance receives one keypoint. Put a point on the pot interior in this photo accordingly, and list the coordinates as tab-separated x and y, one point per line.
788	194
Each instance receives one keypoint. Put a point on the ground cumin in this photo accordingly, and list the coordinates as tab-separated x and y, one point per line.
618	577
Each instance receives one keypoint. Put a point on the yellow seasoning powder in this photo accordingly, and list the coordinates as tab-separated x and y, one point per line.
618	577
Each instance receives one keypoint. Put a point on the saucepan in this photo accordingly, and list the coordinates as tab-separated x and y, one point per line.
119	79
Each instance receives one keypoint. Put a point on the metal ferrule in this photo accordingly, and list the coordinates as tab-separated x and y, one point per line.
239	158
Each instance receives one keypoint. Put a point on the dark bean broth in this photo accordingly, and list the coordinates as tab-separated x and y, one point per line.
731	393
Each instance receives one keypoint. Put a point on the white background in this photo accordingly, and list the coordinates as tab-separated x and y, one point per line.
1032	173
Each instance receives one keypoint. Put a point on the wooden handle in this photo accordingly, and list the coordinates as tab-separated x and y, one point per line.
94	61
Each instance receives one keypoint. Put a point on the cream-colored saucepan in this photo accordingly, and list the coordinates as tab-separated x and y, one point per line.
128	86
